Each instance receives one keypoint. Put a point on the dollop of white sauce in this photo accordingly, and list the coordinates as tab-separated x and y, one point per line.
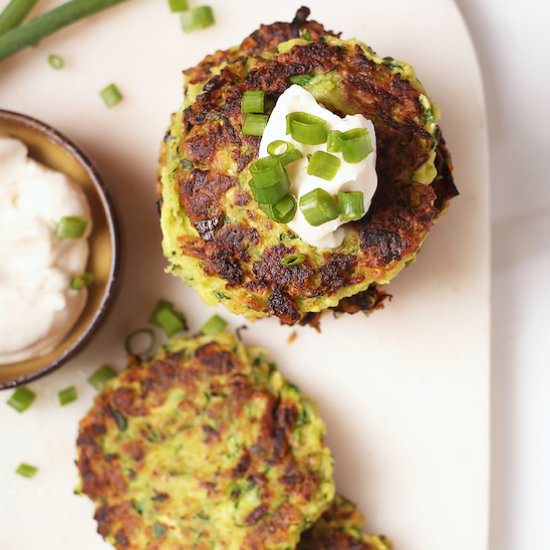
360	176
37	306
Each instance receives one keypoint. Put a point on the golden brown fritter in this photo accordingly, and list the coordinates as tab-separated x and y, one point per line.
215	236
340	528
205	446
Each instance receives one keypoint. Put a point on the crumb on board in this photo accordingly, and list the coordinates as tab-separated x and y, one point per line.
292	337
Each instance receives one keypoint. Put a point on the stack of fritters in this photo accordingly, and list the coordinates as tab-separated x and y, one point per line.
218	240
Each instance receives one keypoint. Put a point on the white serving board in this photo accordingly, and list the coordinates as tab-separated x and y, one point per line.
404	393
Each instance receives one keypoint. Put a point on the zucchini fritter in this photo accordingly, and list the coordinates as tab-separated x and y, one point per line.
205	446
216	237
340	528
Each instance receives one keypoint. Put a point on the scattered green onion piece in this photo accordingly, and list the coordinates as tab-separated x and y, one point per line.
253	101
81	281
68	395
305	34
56	61
14	13
323	165
71	227
269	182
100	377
214	325
333	141
306	128
200	17
282	211
26	470
36	29
254	125
293	260
130	342
301	79
178	5
158	530
355	145
351	205
21	399
111	95
318	207
167	318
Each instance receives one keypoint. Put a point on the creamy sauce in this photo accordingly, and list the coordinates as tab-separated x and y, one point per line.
359	176
37	306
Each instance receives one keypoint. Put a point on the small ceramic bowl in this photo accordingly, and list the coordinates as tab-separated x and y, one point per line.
52	149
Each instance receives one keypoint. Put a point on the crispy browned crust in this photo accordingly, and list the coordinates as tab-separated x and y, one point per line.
125	413
340	528
402	211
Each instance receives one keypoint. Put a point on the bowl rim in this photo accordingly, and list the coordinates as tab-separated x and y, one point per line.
114	232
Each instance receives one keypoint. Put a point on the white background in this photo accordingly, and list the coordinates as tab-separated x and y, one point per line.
513	42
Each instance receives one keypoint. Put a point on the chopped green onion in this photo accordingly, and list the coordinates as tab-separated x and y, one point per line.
178	5
284	151
14	13
111	95
351	205
197	18
158	530
306	128
68	395
318	207
21	399
278	147
282	211
56	61
355	144
293	260
71	227
43	25
323	165
214	325
26	470
130	342
305	34
269	182
254	125
81	281
333	141
300	79
167	318
100	377
253	101
120	420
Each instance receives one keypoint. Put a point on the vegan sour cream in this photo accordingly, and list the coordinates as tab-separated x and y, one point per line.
360	176
38	307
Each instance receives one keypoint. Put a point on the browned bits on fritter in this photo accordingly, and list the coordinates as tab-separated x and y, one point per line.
217	426
282	306
340	528
367	301
216	360
338	272
271	271
201	191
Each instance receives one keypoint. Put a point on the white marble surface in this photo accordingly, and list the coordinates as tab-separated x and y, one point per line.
513	43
